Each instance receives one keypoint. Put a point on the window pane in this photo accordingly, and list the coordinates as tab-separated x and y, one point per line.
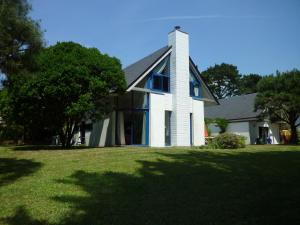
157	82
196	90
140	100
166	84
139	128
167	128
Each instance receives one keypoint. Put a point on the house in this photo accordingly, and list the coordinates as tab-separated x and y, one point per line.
244	120
163	104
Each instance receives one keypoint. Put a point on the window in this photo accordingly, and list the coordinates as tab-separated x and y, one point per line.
195	86
168	128
160	82
159	78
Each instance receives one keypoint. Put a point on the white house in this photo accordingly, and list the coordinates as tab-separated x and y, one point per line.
163	104
244	120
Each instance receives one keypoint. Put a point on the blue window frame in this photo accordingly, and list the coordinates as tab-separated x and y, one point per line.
160	82
195	86
159	78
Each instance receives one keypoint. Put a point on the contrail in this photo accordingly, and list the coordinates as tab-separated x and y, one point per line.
202	17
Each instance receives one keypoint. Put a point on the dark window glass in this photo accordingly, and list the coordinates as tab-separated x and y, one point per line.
157	82
166	84
195	90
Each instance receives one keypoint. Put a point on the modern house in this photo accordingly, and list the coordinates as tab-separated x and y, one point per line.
163	104
239	111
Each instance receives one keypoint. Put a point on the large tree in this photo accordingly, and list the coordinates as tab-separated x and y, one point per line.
20	36
72	84
248	83
279	98
222	79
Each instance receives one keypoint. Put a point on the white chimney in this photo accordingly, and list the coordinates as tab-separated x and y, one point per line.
179	83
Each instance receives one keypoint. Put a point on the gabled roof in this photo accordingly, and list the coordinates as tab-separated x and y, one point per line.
135	70
210	93
234	108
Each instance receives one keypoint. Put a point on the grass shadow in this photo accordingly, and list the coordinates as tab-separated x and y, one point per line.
192	188
21	216
12	169
46	147
196	187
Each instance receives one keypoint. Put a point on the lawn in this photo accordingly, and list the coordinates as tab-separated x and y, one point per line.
139	186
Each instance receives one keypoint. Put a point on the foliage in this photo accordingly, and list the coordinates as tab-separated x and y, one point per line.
72	84
228	141
248	83
279	98
20	36
222	124
208	121
223	80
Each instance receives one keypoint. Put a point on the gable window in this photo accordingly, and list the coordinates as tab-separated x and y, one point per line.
160	77
195	86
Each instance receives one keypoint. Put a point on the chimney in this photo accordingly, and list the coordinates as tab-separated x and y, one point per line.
179	83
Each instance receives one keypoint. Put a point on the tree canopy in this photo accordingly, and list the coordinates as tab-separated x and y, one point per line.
248	83
279	98
20	36
223	80
72	84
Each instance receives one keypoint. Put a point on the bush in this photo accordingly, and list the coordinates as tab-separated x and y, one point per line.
228	141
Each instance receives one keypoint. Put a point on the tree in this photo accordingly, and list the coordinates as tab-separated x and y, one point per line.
222	79
248	83
279	98
222	124
20	36
72	84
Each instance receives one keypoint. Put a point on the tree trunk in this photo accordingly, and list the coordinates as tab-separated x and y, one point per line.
294	136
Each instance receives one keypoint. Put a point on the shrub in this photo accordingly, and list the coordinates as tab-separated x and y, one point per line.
228	141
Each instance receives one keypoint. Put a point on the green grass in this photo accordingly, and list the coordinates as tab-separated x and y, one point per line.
256	185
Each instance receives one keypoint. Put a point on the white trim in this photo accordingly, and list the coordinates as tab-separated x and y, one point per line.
149	70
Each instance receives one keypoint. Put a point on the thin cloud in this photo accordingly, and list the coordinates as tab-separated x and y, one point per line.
202	17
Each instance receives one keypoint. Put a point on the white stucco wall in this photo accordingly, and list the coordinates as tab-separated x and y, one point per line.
240	128
273	131
158	104
198	122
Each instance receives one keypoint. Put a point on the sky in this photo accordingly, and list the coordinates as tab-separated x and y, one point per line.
258	36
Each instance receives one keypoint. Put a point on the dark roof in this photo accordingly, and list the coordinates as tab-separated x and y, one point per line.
234	108
135	70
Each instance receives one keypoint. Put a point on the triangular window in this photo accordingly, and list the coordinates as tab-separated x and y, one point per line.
195	86
159	78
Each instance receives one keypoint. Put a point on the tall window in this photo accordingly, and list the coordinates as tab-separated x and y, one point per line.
195	86
168	128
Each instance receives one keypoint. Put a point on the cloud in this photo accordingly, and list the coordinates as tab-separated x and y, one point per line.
201	17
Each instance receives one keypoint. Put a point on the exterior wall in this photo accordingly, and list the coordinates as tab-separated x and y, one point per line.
250	130
240	128
179	85
273	131
198	122
157	120
159	103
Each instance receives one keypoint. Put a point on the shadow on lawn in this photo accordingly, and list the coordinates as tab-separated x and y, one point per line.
12	169
46	147
192	188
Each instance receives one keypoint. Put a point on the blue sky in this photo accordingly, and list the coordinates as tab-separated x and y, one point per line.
258	36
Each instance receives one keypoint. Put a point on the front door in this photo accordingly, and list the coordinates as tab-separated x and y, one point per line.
263	134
